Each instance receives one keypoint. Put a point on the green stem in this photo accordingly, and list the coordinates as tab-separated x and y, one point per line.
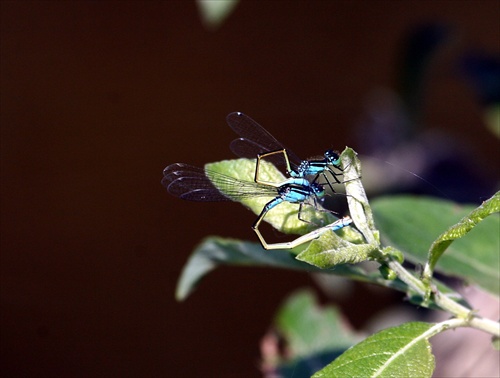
361	214
464	317
485	325
443	326
451	306
407	277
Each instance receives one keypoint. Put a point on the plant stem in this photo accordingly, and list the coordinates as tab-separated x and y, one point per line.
464	316
450	305
362	215
485	325
407	277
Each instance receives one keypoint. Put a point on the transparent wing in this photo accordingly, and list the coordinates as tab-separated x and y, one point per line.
193	183
256	140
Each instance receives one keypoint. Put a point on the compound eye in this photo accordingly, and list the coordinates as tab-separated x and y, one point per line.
317	188
332	155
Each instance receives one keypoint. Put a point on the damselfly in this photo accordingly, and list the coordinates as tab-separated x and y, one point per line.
198	184
256	142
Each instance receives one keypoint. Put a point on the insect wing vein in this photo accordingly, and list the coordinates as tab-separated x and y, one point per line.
255	139
196	184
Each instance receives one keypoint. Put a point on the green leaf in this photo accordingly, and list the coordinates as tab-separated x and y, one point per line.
215	251
308	328
283	217
495	342
492	119
214	12
465	225
330	250
313	335
402	351
357	200
411	224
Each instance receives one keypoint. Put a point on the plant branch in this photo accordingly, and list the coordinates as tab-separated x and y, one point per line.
408	278
464	317
486	325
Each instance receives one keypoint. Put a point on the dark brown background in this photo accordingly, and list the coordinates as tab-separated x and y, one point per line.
98	97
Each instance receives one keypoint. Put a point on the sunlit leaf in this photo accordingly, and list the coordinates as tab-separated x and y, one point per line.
357	200
284	217
330	250
402	351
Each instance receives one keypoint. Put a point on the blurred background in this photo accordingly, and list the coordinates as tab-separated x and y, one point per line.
98	97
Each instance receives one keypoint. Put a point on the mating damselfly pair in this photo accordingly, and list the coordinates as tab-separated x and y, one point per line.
302	187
